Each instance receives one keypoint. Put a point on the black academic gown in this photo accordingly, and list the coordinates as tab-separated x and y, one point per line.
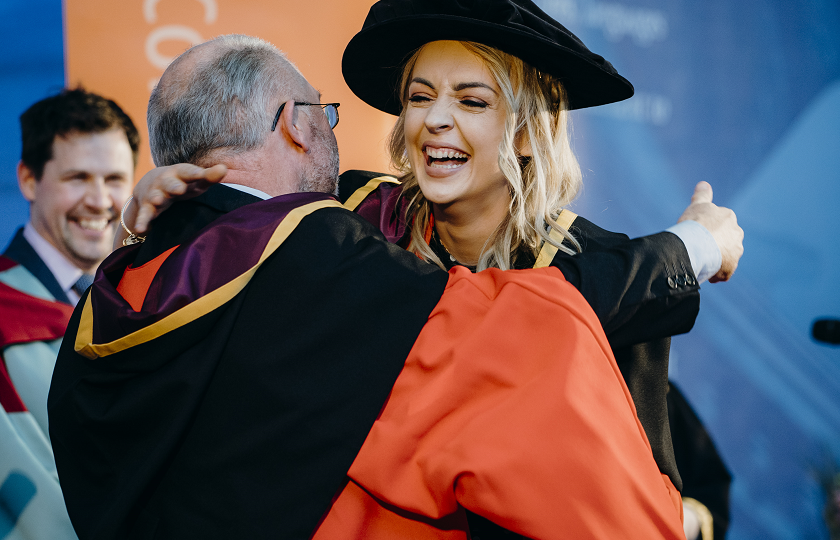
261	390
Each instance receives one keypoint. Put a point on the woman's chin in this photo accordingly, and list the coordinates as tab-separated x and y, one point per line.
438	194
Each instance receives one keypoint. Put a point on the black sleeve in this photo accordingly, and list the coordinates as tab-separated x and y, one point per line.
641	289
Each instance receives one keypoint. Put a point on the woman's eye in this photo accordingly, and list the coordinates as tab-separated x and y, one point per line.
473	103
419	99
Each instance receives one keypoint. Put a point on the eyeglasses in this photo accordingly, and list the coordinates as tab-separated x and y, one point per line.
330	109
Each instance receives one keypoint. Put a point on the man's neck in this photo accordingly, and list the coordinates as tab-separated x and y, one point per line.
249	172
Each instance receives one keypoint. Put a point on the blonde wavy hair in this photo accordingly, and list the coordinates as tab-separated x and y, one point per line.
540	185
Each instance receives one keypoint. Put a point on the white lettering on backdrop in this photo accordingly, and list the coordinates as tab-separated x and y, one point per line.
172	32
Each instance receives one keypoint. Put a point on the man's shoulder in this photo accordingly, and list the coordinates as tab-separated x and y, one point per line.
28	312
350	181
15	245
24	254
7	263
224	198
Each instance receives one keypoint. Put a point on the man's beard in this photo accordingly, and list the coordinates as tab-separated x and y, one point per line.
322	175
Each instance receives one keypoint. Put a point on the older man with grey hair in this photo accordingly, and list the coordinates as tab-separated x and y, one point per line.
188	125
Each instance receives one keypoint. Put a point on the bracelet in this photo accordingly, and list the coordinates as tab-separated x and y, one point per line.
132	238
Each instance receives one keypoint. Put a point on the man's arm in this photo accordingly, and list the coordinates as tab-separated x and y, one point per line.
641	289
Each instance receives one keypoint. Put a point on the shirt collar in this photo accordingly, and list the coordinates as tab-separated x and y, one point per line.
249	190
65	272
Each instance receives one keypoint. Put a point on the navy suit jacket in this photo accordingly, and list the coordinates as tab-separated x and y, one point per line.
22	252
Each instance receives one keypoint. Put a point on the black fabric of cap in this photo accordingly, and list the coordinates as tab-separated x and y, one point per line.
394	29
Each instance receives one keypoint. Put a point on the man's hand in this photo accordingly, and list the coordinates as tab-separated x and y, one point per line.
722	223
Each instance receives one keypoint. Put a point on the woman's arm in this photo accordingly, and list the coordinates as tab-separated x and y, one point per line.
158	188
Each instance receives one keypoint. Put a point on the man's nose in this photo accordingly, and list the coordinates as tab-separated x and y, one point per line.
97	195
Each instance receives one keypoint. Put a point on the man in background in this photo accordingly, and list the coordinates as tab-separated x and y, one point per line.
76	170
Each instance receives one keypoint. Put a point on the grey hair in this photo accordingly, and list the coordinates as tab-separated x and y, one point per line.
225	105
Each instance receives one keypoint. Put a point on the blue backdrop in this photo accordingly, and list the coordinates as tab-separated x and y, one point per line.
745	95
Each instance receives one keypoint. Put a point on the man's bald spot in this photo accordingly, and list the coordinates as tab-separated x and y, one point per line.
177	76
180	73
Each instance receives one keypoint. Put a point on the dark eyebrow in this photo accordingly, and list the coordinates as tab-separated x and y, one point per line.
465	85
70	173
458	87
421	80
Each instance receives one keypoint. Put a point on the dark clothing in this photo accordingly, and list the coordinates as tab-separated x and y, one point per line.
186	402
626	282
20	251
704	474
237	399
640	325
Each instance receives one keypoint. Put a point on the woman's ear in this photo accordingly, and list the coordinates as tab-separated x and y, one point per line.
292	125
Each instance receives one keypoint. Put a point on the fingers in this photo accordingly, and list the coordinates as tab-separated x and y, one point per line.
724	273
215	173
730	239
701	201
702	193
722	223
188	171
154	203
155	191
144	216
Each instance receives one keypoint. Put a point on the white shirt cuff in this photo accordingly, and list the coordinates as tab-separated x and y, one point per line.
703	251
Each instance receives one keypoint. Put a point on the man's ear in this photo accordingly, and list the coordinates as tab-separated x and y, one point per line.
26	181
293	126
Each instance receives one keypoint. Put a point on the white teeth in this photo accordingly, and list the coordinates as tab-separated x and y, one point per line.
93	224
446	153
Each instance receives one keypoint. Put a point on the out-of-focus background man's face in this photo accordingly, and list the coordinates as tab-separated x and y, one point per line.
76	204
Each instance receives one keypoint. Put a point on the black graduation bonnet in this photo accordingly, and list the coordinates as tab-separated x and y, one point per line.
374	58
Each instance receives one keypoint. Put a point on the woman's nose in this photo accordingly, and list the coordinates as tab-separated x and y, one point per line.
438	117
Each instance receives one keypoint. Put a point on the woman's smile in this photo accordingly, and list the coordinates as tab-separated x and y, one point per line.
443	160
